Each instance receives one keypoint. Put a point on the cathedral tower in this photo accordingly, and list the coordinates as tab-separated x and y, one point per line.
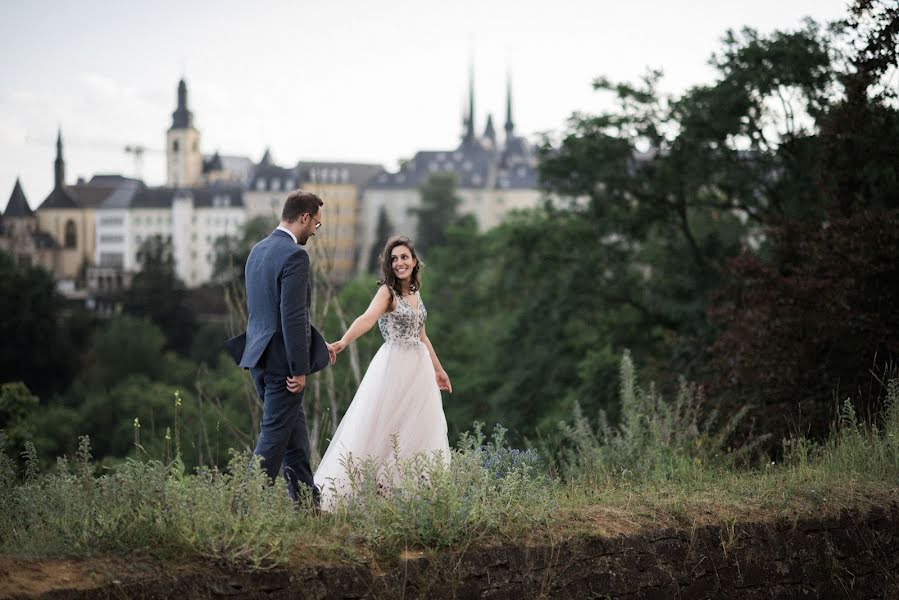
184	162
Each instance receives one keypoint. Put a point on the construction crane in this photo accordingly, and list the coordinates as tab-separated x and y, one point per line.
138	151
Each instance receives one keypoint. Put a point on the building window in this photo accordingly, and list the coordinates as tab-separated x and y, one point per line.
111	259
71	239
174	145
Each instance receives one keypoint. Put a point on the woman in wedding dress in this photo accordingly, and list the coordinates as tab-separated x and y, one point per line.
400	393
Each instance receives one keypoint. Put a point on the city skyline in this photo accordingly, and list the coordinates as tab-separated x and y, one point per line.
348	81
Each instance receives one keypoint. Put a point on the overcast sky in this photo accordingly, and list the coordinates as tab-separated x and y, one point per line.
370	81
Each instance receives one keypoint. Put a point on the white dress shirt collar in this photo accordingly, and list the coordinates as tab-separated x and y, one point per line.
289	232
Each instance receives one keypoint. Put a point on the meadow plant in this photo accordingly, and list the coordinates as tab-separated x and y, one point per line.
488	490
857	447
655	439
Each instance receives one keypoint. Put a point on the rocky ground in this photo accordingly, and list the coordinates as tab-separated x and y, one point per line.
853	554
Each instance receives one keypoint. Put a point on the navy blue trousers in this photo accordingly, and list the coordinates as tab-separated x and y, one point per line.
283	438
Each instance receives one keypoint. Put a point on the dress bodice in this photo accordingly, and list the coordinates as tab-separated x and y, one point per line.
403	324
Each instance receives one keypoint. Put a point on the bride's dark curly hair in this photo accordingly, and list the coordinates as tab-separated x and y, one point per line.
387	276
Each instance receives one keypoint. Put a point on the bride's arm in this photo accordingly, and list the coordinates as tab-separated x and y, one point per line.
379	305
443	381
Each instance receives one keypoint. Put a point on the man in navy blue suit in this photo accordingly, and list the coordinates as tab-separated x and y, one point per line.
278	338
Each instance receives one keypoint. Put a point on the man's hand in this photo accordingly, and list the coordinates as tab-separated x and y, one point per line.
296	384
443	381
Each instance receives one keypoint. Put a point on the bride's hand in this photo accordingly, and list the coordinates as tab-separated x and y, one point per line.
443	381
334	349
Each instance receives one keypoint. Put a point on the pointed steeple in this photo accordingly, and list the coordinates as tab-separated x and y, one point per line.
266	158
182	118
469	124
489	131
59	165
510	126
18	204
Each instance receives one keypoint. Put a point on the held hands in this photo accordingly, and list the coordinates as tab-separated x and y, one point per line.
334	349
296	383
443	381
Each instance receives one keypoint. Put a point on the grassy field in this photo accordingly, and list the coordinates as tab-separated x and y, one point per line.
667	464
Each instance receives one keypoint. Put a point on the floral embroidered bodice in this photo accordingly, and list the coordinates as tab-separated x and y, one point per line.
403	324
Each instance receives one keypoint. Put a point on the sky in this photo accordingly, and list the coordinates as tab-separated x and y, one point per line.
349	80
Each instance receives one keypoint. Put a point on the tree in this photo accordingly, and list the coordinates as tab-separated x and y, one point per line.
438	210
231	252
815	315
158	294
16	406
810	324
36	348
382	232
126	346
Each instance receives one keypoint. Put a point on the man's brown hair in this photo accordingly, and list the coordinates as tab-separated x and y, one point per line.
298	203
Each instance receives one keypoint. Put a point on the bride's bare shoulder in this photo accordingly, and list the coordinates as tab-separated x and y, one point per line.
386	297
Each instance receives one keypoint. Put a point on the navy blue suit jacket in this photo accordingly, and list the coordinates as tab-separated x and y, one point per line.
279	294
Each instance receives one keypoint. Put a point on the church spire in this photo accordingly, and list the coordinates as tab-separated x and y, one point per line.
510	126
490	132
59	165
182	118
469	125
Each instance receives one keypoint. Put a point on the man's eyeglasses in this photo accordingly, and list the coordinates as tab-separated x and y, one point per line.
318	224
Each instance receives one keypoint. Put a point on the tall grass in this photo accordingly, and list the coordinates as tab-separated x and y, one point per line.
655	440
662	456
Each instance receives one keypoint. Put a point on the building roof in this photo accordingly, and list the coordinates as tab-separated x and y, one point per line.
476	166
336	172
59	198
122	195
269	177
213	163
164	197
18	204
217	197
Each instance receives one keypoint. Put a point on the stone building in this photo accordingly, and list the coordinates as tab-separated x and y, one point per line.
20	236
493	178
338	184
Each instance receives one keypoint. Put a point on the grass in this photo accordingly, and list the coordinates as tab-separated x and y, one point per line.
667	464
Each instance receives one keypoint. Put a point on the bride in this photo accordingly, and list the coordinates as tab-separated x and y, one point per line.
400	393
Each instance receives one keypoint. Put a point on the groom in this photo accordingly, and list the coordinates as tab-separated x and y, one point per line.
278	339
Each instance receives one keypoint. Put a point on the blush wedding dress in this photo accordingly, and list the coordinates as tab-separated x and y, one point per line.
398	397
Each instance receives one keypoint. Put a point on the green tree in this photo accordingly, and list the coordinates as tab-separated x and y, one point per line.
438	210
231	252
126	346
382	232
36	346
158	294
16	406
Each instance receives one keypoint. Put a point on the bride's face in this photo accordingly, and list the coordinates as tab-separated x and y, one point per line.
401	262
